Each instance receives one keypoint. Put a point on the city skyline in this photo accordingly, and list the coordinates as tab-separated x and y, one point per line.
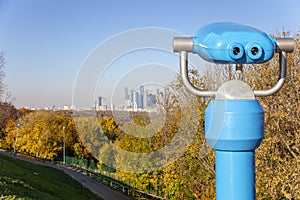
140	98
137	99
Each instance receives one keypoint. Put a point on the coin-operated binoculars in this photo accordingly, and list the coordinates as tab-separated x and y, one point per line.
234	120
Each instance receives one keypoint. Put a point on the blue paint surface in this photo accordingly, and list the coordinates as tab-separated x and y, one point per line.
233	43
235	172
234	125
234	128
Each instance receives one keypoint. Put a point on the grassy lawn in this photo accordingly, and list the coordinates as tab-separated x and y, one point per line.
23	180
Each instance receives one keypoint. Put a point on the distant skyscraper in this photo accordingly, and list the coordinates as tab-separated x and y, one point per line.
101	105
100	101
141	97
132	96
150	99
137	99
126	94
146	99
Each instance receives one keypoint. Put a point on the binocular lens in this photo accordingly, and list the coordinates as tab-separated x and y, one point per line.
236	50
254	51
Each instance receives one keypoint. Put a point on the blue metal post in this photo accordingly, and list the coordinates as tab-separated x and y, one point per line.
235	175
234	128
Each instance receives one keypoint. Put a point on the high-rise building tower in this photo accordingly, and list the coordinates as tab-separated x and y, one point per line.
146	99
137	99
101	105
150	99
100	101
126	94
132	96
141	97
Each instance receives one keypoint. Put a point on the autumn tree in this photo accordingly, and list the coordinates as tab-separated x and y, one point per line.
42	133
9	114
110	128
278	157
7	110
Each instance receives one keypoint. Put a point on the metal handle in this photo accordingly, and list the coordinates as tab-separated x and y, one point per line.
283	46
184	45
184	72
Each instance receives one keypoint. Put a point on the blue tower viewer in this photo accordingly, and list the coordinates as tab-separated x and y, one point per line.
234	121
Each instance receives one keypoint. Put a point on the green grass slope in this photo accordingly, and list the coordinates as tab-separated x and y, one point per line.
23	180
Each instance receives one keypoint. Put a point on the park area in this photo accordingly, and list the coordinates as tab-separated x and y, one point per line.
24	180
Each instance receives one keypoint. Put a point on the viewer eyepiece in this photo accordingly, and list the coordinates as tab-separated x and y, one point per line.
254	51
236	51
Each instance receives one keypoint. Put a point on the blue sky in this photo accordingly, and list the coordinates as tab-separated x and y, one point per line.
45	43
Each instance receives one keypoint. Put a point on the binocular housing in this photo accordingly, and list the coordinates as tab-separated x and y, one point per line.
224	43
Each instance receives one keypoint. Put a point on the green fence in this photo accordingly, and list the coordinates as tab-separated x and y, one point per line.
88	164
106	175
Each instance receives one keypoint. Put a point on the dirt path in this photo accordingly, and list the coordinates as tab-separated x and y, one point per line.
94	186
